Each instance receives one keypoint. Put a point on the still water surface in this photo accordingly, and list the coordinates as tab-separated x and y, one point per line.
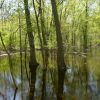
82	80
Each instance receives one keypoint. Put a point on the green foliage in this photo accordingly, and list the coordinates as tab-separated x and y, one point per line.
72	19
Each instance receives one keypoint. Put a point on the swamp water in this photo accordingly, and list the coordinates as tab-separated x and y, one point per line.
82	80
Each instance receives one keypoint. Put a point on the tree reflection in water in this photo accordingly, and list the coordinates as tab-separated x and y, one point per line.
80	81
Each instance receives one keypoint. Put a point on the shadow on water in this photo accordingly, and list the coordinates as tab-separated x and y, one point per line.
82	78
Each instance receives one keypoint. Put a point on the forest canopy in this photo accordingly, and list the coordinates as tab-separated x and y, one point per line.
72	16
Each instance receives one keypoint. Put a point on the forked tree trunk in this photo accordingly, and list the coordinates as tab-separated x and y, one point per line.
60	53
33	62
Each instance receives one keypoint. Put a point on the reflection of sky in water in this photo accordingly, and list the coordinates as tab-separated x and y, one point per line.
10	94
92	85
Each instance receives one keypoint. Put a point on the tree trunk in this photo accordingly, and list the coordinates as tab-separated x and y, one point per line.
60	53
32	63
43	29
20	36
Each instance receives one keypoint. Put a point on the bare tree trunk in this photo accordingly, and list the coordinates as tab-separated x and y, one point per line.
20	37
85	46
42	45
84	69
25	57
43	29
33	62
37	23
60	52
85	29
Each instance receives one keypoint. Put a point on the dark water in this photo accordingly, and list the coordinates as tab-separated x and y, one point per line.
82	80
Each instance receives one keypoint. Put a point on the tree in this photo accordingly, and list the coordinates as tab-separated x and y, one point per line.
60	52
33	62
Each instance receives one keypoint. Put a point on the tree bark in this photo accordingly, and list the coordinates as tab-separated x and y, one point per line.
21	62
43	29
60	53
33	62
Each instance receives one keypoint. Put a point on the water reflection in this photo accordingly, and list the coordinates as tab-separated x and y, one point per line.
80	80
